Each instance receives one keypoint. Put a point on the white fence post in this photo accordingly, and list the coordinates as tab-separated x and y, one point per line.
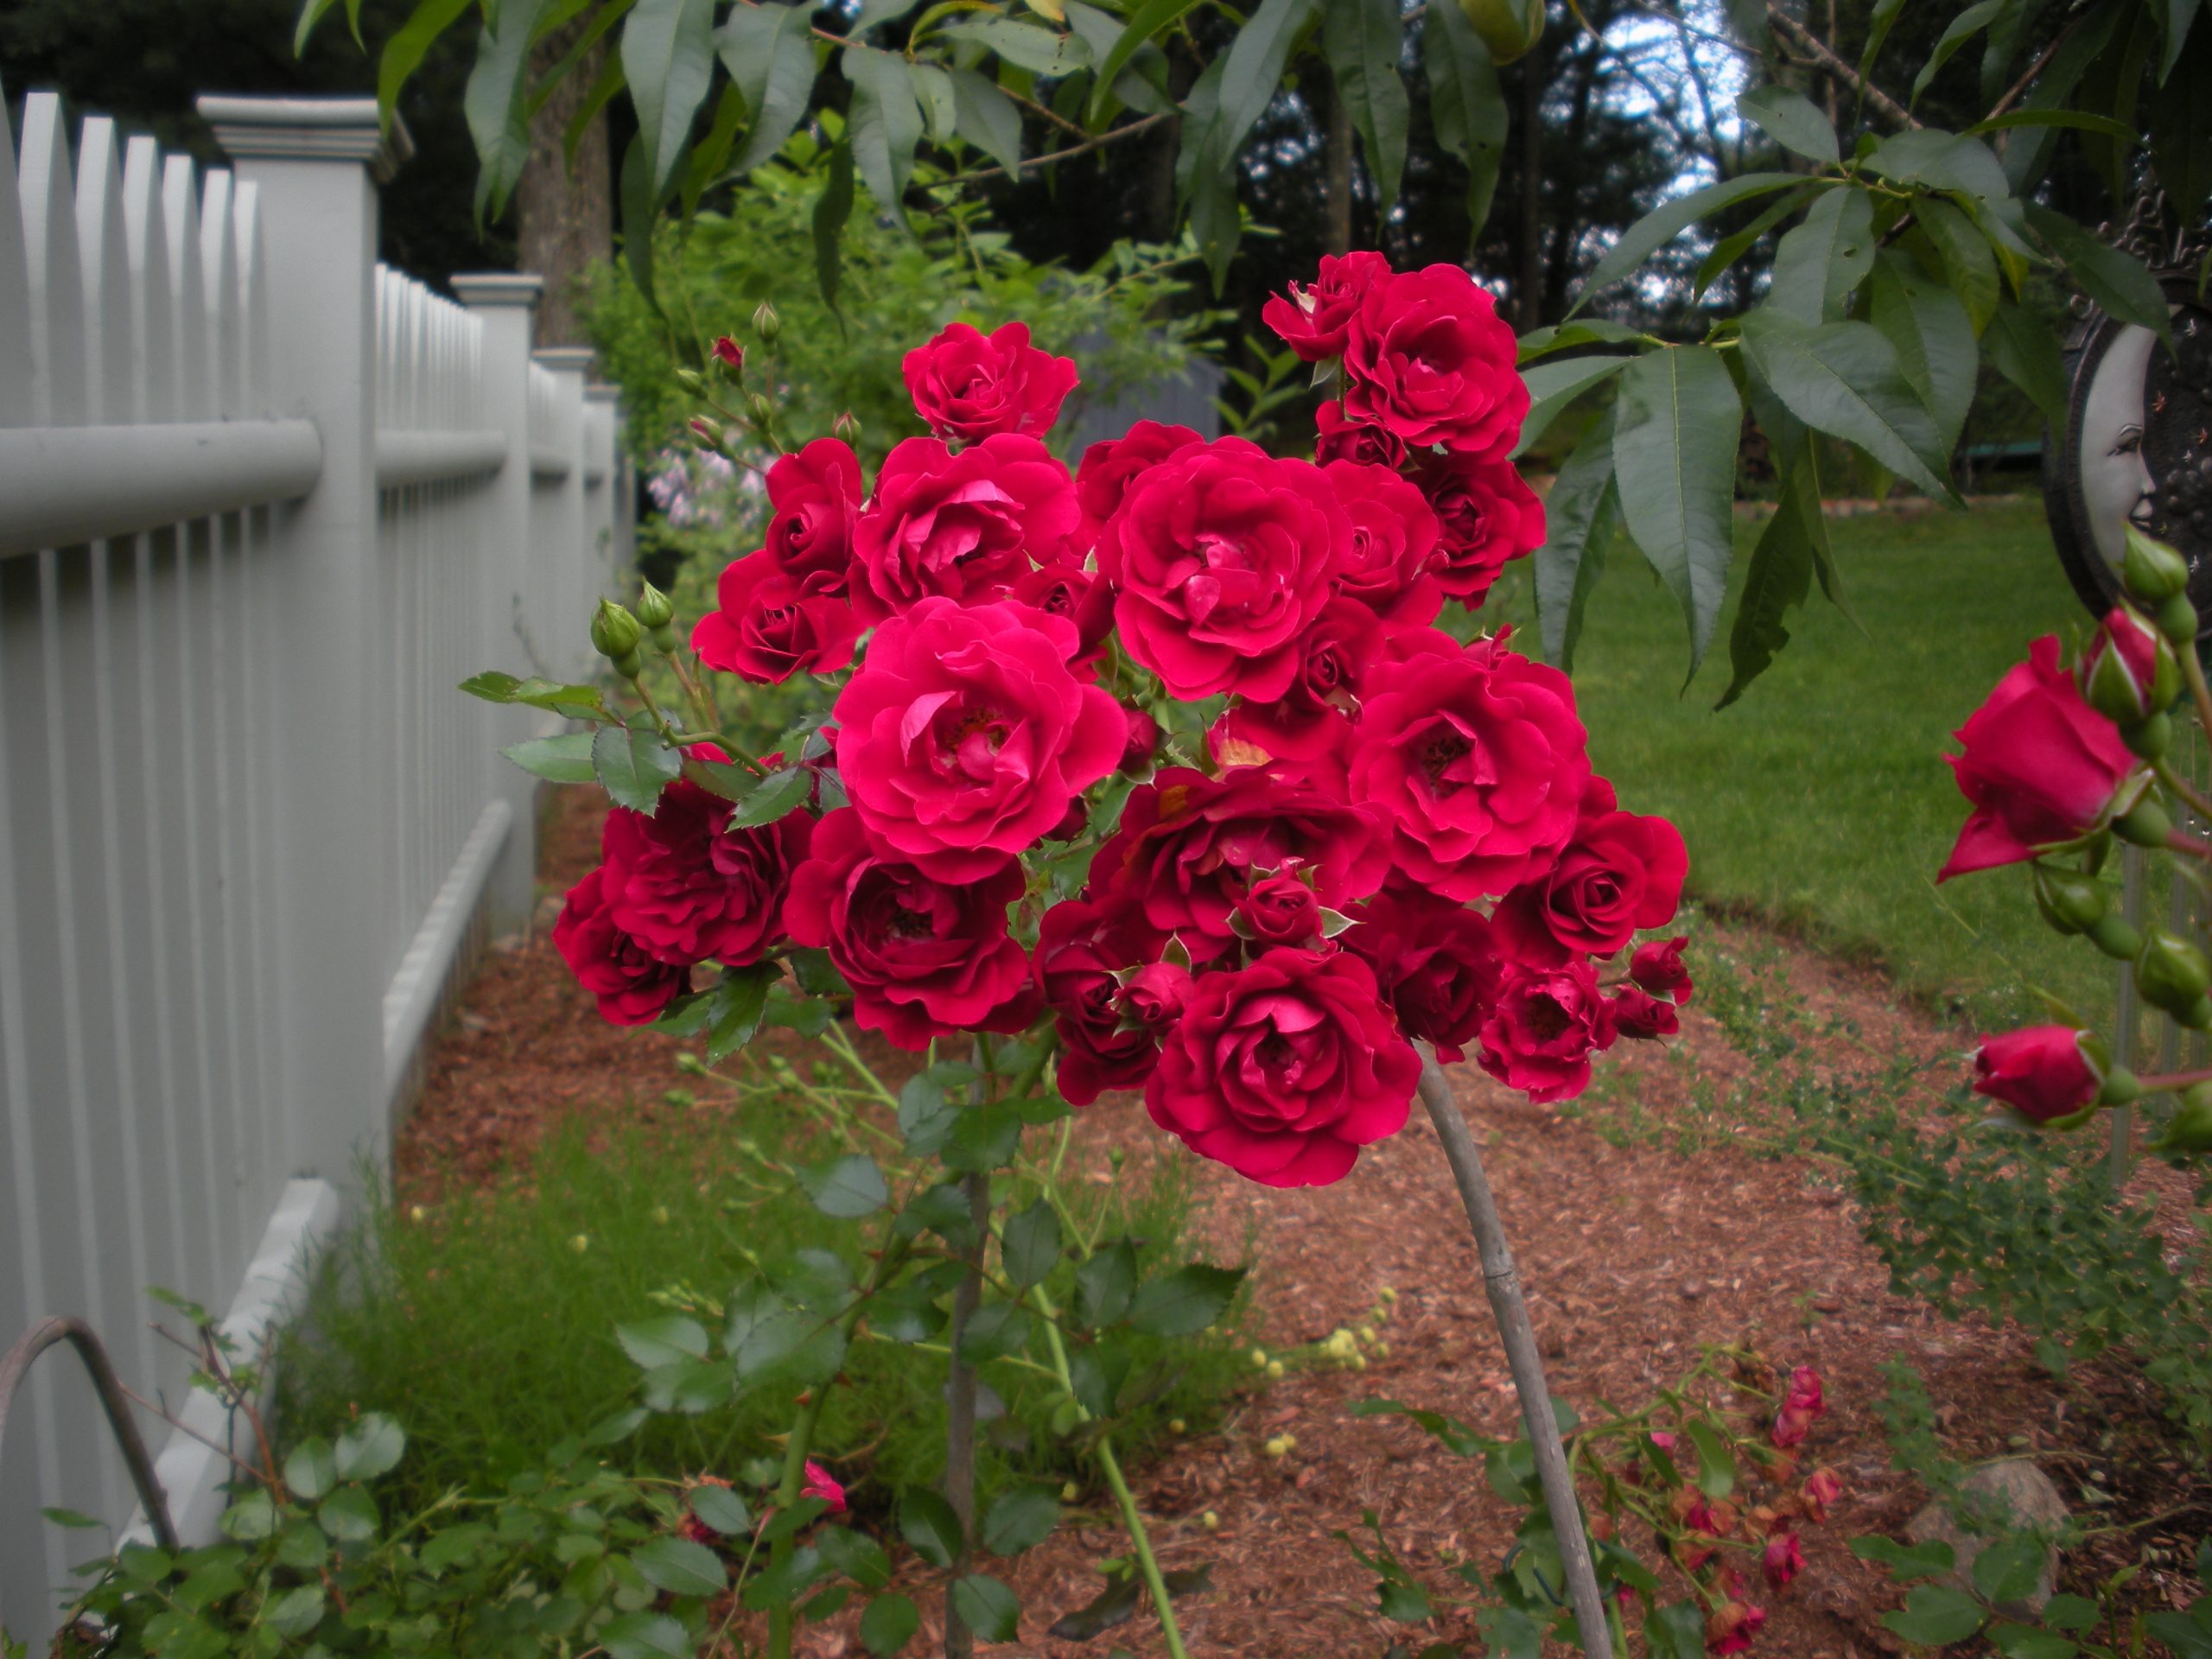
311	159
558	457
505	302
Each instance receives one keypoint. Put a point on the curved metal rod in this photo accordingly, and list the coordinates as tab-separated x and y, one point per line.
1502	1280
78	1335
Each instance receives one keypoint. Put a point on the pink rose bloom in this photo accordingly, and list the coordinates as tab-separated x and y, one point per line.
1278	909
1620	872
2041	766
965	736
1077	596
1488	516
925	958
970	386
1436	964
1312	718
817	495
1284	1070
770	626
1428	360
1223	556
967	526
1111	465
2042	1071
1394	549
821	1484
1337	437
630	984
1544	1027
1313	320
1477	757
687	887
1082	948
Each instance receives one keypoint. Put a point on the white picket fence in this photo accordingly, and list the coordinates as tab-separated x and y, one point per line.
262	504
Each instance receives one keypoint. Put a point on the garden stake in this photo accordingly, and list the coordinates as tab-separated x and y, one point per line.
1503	1283
960	1389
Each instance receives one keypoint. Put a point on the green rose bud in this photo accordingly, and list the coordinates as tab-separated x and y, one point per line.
766	323
689	380
2119	1087
2069	901
2129	671
2152	572
2146	823
2150	738
848	427
2189	1130
2112	935
657	614
2170	973
615	633
2178	621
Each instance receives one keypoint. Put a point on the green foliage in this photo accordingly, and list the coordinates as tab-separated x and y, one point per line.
895	290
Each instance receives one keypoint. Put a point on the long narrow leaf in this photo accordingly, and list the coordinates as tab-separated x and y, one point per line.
1362	40
1675	428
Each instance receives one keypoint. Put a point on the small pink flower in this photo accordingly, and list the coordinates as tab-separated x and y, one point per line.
822	1484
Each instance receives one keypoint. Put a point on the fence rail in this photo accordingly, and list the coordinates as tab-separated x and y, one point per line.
263	503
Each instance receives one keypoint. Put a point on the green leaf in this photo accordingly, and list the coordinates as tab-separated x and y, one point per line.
2009	1569
1042	52
77	1519
2176	16
663	1342
680	1567
982	1137
2067	1612
1145	21
1906	1561
847	1187
886	124
929	1526
1821	262
644	1636
831	209
775	796
563	760
451	1546
1963	27
408	45
633	766
1843	379
1716	1464
1404	1603
667	58
1877	30
576	702
889	1625
371	1448
1031	1246
1554	384
2025	1642
348	1515
1792	120
2121	284
1668	220
987	118
1465	104
1578	515
1676	1632
1185	1302
2078	120
1675	428
2181	131
1104	1284
295	1612
640	213
252	1518
1731	248
1361	42
494	102
1020	1519
1932	1615
994	1331
740	1000
1779	580
2188	1637
1967	258
1934	338
1943	161
310	1470
991	1610
770	55
721	1509
1252	71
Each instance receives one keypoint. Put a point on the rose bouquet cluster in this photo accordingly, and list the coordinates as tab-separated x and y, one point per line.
2059	762
1171	752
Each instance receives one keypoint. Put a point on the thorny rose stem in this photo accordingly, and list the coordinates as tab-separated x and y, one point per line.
1503	1281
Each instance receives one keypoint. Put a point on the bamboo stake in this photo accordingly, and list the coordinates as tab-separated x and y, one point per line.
1502	1280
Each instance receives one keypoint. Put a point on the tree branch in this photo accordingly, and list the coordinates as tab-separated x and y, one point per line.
1838	68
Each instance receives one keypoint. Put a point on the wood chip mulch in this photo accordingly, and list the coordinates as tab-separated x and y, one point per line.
1633	1255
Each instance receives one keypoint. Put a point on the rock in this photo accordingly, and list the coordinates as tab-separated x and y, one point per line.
2022	1491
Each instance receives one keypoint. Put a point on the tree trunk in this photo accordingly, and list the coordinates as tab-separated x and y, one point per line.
1336	228
565	217
1530	288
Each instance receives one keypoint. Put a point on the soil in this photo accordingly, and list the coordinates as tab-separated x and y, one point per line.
1634	1252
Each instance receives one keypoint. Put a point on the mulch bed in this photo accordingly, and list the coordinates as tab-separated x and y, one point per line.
1634	1256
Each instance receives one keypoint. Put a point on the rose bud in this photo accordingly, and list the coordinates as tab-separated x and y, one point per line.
656	613
1143	741
729	353
766	323
1638	1013
614	635
2129	672
2172	973
1656	967
1783	1561
1155	994
2189	1130
821	1484
2151	571
2043	1071
1279	910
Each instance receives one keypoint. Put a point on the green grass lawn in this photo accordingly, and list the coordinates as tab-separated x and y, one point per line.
1820	800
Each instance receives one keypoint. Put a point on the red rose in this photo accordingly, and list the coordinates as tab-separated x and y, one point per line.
1394	544
1731	1627
1489	516
1804	1403
687	887
769	627
729	350
2128	671
1142	742
2043	1071
964	735
971	386
1620	872
967	526
1111	465
1639	1015
1313	716
1338	437
1082	951
1435	963
1156	992
632	985
1478	759
817	495
1656	965
2041	766
1189	845
1223	555
925	958
1784	1559
1278	909
1543	1029
1284	1070
1313	320
1428	360
1078	596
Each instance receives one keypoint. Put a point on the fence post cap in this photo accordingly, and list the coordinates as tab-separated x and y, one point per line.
565	360
308	129
602	391
484	290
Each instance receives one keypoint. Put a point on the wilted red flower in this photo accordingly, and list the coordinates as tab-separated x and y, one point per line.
1801	1407
1821	1488
1782	1560
1731	1627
